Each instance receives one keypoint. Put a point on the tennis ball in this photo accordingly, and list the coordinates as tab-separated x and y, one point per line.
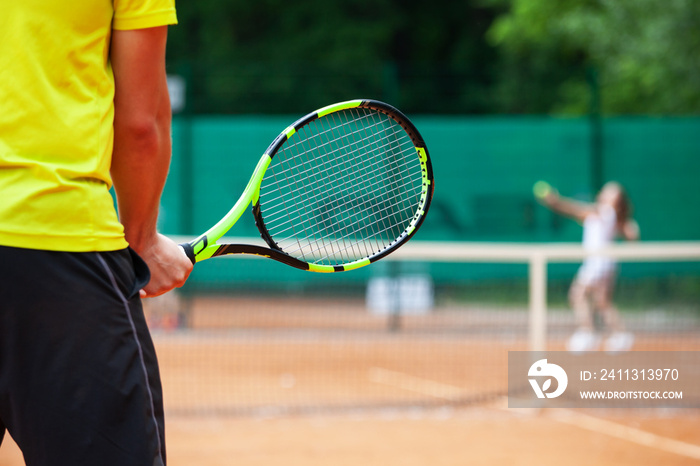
541	189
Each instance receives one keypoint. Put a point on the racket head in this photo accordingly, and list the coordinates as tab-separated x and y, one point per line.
346	185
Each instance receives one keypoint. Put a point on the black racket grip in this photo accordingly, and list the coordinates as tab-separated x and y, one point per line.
189	251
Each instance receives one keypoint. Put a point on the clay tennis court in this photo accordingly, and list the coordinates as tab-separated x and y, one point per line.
297	383
485	435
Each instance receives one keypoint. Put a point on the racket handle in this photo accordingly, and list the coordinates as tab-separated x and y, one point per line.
189	251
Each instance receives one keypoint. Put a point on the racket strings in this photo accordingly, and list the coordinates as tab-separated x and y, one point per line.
343	239
345	187
395	214
396	169
393	138
329	170
360	205
321	173
369	189
363	246
374	248
296	160
330	130
282	230
333	232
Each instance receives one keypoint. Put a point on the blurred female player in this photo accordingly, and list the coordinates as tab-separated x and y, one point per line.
592	289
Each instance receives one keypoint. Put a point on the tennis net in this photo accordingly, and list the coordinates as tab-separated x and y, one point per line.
431	325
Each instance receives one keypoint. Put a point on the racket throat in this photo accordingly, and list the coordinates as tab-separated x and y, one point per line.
264	234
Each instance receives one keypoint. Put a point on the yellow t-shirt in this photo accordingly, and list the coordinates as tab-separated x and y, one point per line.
56	119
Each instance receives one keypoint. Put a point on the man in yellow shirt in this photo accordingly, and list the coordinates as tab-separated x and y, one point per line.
83	106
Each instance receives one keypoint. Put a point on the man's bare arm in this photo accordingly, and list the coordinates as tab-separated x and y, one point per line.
142	149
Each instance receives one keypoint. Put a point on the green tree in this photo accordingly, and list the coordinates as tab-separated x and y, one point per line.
645	52
268	56
242	56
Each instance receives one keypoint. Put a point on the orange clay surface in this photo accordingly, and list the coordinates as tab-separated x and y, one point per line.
222	375
475	436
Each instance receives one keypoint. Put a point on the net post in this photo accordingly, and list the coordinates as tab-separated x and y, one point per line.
394	321
537	277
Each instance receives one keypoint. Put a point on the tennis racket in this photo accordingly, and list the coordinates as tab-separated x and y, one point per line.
337	190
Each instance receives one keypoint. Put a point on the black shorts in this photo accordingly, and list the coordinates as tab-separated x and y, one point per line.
79	381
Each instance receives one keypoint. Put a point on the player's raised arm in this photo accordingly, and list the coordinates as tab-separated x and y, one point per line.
142	149
550	198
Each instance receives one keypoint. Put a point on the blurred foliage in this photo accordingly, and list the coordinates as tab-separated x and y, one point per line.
439	56
645	51
267	56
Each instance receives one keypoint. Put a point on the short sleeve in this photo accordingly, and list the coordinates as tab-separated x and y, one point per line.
142	14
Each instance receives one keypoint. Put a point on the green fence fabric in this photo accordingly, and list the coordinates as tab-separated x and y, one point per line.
484	170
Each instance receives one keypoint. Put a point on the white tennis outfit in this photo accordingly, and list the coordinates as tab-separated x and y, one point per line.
599	231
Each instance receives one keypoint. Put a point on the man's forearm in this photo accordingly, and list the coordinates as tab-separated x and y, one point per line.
142	144
141	155
140	165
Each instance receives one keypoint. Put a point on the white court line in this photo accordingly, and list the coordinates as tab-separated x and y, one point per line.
414	384
630	434
583	421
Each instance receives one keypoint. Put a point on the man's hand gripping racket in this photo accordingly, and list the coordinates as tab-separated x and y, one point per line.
339	189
